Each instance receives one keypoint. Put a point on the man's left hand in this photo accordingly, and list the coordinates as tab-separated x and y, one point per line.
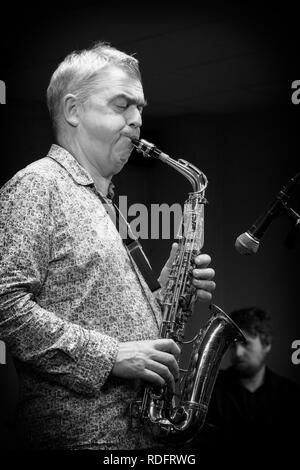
202	274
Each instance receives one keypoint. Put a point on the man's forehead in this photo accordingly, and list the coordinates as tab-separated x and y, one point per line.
252	338
114	81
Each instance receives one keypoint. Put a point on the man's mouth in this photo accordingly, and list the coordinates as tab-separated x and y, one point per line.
239	363
126	147
130	136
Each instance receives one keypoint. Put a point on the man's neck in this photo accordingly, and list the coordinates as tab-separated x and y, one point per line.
101	183
255	381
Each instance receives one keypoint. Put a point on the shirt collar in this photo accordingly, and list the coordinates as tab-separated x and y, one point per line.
75	169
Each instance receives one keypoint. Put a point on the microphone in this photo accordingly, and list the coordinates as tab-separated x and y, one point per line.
248	242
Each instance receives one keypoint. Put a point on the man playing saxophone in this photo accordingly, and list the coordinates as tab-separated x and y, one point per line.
75	311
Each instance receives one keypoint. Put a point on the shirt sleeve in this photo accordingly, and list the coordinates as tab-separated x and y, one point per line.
62	351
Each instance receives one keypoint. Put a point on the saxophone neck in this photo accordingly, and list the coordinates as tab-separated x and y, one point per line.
197	179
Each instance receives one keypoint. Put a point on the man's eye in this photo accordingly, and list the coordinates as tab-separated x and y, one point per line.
122	106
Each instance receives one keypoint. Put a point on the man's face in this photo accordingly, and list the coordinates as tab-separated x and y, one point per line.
110	113
249	357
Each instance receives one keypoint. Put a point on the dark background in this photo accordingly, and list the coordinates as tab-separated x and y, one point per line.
218	82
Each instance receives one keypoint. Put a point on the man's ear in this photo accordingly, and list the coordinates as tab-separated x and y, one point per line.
70	107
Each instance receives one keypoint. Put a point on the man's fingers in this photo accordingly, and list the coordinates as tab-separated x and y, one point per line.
167	345
156	380
153	378
205	285
204	273
172	255
163	372
204	295
135	359
202	260
203	278
167	360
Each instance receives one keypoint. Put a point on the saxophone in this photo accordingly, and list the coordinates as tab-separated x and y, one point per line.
176	418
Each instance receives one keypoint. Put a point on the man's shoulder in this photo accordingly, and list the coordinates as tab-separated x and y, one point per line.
44	167
282	382
43	171
285	393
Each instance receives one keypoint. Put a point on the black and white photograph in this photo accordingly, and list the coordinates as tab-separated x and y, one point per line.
150	233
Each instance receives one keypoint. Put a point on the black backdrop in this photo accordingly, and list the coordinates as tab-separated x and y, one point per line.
247	153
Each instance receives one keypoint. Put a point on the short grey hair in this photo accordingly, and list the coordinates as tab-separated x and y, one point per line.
79	72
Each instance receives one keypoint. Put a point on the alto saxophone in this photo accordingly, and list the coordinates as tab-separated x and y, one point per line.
178	418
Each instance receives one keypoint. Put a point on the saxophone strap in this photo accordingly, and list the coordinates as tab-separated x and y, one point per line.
131	243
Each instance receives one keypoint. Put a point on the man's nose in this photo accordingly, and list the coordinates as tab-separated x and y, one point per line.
133	117
239	350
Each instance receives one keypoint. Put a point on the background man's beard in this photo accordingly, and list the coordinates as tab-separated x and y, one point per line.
247	370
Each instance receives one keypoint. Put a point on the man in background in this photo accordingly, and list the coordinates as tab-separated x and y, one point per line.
252	406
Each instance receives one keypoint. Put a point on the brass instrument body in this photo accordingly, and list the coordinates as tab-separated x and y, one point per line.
178	418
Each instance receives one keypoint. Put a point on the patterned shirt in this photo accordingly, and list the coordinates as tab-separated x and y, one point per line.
69	293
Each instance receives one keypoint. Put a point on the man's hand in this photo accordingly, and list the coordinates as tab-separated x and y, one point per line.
202	275
151	360
203	278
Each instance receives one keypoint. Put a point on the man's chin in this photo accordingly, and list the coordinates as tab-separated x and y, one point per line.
245	371
242	369
119	165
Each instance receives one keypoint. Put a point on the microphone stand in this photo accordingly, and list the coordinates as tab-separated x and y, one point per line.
291	240
292	214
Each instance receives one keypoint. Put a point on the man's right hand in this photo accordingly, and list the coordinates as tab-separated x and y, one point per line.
152	360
